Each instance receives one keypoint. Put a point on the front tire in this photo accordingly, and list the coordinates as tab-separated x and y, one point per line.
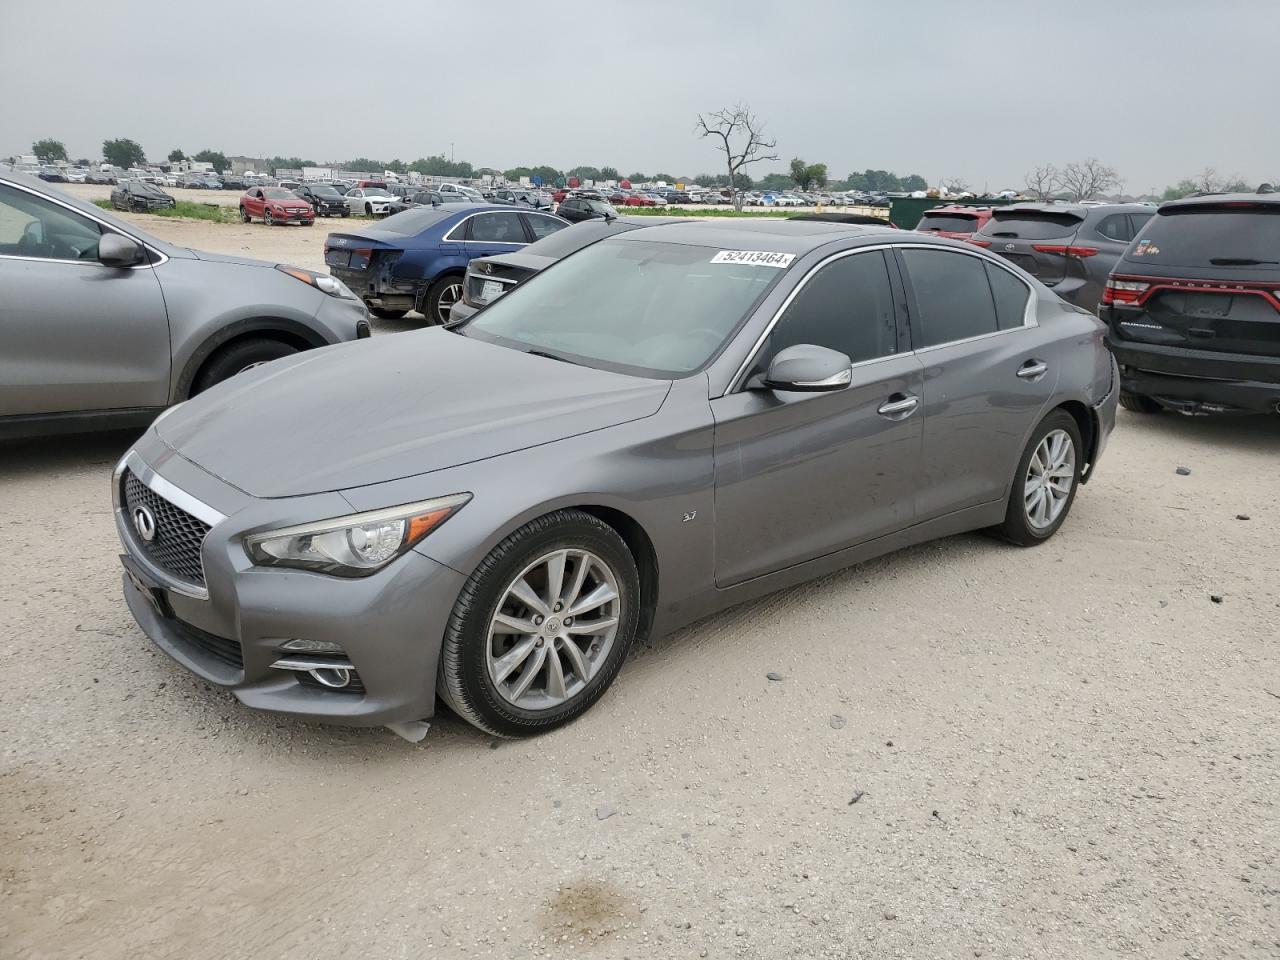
542	626
441	297
268	219
1138	403
238	357
1045	484
244	216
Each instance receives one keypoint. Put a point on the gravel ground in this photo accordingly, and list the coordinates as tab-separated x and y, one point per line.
1071	751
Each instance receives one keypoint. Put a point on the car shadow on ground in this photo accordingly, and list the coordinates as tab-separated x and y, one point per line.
1245	434
22	459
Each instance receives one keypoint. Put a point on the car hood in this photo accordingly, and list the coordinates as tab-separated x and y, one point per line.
392	407
210	257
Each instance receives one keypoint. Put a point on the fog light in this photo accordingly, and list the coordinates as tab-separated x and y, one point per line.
334	677
311	646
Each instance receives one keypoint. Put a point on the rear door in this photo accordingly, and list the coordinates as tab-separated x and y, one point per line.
988	374
541	225
499	231
1033	239
75	335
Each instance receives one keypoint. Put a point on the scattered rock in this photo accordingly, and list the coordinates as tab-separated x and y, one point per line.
773	676
582	855
605	811
890	916
1164	603
740	932
1215	597
1242	516
858	795
888	743
1183	471
837	722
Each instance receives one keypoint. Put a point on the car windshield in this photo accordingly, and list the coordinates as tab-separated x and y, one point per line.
278	193
600	206
376	192
324	191
1216	237
639	307
955	222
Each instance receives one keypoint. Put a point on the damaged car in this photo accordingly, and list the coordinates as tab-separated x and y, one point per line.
416	260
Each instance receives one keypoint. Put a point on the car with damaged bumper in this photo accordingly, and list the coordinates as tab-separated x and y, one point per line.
416	259
667	422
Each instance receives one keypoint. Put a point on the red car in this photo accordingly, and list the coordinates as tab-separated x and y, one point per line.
637	200
274	205
954	220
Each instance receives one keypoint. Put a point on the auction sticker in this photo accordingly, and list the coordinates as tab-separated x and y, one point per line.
756	258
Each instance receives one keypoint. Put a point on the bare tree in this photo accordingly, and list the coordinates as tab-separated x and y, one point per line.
1043	181
954	185
1207	181
741	136
1087	178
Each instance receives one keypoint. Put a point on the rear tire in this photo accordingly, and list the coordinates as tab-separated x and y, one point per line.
1056	466
468	659
1138	403
444	293
238	357
244	216
385	314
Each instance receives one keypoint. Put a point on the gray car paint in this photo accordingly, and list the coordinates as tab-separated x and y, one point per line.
677	475
84	341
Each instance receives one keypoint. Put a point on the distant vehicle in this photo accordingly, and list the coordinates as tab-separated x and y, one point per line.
528	198
1192	307
104	326
578	209
324	200
192	181
788	200
52	174
100	177
955	221
371	201
275	205
1068	247
490	277
212	183
678	196
288	184
139	197
77	175
429	248
425	198
234	182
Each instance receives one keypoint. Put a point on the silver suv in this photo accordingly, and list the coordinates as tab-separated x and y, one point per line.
104	326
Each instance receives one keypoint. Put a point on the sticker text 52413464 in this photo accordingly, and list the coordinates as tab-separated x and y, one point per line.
756	258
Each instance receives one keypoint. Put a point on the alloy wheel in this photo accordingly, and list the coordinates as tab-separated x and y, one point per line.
1050	474
554	628
448	297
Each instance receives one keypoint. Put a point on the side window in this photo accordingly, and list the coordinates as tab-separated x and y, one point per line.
1116	227
497	228
846	306
952	295
1138	221
1011	296
31	226
544	226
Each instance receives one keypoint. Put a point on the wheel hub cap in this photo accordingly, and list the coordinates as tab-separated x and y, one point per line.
1050	476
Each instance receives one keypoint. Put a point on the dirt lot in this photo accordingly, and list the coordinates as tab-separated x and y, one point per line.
1070	751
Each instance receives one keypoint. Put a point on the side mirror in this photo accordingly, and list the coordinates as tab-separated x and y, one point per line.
117	251
806	368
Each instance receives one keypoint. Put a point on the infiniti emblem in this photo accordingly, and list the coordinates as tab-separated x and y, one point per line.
144	522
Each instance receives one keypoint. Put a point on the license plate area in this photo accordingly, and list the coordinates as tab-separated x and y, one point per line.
338	258
1213	306
155	594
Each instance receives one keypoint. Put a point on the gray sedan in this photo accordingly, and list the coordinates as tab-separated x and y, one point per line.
102	325
665	423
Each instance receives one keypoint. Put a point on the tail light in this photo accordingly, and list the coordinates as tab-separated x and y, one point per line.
979	243
360	258
1124	291
1074	253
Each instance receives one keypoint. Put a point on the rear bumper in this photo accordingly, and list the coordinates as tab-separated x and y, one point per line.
1199	381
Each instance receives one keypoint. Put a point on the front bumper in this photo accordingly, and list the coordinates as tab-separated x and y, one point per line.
1198	381
389	625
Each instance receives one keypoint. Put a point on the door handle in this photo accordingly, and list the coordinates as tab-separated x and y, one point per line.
899	406
1033	370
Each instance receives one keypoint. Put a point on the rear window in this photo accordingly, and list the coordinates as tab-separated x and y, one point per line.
1213	237
414	220
1031	224
958	222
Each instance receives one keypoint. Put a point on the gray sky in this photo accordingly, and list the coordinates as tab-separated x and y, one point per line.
980	90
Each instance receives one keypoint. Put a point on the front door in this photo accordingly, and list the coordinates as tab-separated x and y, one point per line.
801	475
75	335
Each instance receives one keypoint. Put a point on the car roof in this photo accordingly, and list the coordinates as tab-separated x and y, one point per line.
780	236
1080	210
1222	200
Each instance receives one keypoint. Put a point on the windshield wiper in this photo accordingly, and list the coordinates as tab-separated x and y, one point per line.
551	356
1242	262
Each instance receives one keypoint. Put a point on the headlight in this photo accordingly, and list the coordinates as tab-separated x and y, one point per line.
353	546
321	281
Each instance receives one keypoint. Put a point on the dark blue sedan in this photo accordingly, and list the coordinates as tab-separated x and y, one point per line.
416	260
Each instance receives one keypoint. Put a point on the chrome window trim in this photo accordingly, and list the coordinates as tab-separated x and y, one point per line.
1028	317
179	498
449	238
164	257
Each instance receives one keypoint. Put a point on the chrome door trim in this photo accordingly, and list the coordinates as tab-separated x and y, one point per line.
164	257
449	237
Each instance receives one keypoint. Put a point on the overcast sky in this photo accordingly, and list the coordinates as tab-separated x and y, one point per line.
980	90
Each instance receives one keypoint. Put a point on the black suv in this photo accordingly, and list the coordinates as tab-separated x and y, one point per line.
1193	308
1069	247
324	198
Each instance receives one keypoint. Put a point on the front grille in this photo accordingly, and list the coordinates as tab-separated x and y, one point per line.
176	545
220	648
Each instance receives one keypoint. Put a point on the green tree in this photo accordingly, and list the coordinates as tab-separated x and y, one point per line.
47	151
397	166
215	157
548	174
800	173
913	181
123	153
438	165
365	165
586	173
707	180
665	177
176	156
637	177
289	163
609	173
774	182
1183	188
